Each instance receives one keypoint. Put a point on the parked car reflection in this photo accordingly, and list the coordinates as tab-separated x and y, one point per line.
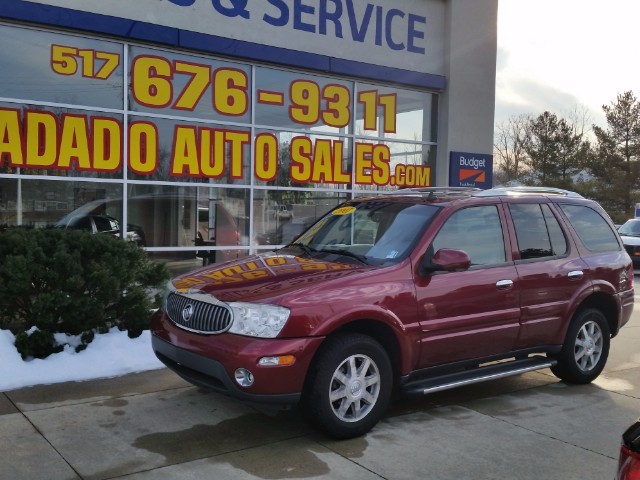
102	224
166	220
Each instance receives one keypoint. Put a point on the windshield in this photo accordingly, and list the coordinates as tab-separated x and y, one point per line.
631	228
375	232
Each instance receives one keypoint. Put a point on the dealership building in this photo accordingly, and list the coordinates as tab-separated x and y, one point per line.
210	129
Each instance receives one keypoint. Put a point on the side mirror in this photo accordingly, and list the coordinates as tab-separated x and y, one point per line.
446	260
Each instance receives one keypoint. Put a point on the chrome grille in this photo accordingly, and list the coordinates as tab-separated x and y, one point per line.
198	316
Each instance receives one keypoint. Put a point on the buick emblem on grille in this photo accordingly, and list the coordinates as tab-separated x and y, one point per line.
187	312
198	315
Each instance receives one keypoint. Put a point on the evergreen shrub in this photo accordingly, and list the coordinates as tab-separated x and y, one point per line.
73	282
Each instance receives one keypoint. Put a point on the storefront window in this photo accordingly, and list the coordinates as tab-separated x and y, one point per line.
184	151
197	159
282	215
189	86
394	113
62	142
41	203
297	100
297	160
190	216
61	69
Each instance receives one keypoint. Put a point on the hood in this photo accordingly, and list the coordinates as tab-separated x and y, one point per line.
263	277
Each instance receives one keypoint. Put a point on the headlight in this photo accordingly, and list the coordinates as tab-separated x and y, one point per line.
257	320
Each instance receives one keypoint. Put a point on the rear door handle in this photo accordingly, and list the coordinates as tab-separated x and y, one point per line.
504	284
575	275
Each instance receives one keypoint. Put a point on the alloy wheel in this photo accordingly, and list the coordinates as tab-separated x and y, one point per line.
588	347
354	388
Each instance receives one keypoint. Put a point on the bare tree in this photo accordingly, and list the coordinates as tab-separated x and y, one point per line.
509	147
581	120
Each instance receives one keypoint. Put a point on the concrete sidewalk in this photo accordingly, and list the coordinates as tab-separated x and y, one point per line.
155	426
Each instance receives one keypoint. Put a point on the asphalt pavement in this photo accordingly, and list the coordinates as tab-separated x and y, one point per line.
153	425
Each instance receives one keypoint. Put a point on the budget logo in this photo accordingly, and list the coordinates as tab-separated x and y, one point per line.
470	170
473	176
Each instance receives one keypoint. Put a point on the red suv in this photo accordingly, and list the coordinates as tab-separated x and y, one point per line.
417	290
629	459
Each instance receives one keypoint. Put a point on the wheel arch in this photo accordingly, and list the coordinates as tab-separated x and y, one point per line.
585	351
379	331
606	304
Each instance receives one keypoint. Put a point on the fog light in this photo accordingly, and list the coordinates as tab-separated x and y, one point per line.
244	377
281	360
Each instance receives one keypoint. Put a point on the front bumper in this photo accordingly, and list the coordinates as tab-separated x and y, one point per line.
209	361
633	251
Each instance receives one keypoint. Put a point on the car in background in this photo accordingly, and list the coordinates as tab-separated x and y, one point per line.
629	460
630	235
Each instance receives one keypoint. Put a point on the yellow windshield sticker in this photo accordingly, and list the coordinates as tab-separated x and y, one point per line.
343	211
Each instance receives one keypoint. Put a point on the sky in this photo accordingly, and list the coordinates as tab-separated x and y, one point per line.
559	55
109	355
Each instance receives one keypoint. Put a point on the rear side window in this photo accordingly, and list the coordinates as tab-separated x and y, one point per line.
593	230
538	231
104	224
81	223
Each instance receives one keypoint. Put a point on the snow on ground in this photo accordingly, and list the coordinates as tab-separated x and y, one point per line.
109	355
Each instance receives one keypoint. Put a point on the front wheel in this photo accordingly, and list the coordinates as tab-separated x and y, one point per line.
586	348
349	386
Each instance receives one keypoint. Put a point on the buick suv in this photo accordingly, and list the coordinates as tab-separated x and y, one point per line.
414	291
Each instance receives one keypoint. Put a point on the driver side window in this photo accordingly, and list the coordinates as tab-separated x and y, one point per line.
477	231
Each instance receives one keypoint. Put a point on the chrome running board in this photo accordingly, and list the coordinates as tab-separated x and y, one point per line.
492	371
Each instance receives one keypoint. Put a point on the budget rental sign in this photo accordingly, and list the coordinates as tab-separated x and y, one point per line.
470	170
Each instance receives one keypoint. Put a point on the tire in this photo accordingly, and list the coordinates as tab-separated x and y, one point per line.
342	399
586	348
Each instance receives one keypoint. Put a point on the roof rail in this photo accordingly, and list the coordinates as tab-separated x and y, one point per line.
434	192
525	190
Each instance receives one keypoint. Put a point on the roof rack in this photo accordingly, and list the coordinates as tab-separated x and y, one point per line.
433	193
523	190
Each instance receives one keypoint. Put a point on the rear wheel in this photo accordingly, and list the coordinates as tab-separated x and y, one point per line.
586	348
349	386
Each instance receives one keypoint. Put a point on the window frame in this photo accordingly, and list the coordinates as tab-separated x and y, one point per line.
560	223
578	234
504	234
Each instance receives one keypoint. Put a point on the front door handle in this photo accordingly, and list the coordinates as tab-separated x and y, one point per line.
504	284
575	275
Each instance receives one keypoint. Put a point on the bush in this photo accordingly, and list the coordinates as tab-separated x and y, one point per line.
73	282
38	344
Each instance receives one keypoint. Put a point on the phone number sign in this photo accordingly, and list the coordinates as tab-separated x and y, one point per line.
41	139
